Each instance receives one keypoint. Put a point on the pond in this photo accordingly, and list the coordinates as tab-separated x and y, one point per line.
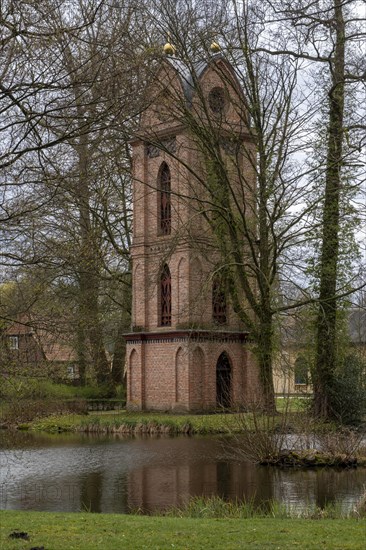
73	472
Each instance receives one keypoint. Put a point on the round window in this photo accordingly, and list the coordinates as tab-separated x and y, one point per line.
217	100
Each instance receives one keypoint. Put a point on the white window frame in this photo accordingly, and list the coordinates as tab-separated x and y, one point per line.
13	342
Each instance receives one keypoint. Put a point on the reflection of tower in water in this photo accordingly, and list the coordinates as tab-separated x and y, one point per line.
158	488
155	473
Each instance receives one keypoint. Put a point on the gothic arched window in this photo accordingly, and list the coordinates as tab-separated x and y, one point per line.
218	301
165	297
164	204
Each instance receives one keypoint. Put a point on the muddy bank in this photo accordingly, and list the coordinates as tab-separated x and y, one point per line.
313	459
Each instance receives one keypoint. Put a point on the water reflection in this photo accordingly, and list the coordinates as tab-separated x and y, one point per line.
102	474
154	487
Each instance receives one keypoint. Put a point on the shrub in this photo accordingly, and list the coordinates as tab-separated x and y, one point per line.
262	436
105	391
40	388
341	441
89	392
26	410
348	395
121	392
33	388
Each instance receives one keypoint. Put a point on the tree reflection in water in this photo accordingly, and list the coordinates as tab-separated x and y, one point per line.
124	474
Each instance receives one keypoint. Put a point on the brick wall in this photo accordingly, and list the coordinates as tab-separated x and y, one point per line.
176	372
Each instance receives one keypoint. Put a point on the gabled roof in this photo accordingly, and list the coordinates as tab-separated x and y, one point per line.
188	75
19	328
54	345
54	348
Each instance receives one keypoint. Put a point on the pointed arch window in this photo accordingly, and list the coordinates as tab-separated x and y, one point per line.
164	203
219	306
165	297
223	381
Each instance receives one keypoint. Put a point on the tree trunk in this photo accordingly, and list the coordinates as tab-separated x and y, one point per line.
89	318
264	277
82	354
265	354
327	315
89	272
119	357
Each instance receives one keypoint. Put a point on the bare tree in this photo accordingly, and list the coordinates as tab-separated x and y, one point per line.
68	176
245	181
329	33
266	243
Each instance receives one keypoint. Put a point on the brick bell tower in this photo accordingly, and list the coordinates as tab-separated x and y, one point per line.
187	350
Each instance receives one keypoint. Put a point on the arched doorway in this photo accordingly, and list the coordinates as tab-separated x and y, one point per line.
223	381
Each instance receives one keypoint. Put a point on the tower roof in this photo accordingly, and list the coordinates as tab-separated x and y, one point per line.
188	75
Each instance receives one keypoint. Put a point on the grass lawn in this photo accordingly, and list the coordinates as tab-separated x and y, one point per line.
292	404
155	421
85	531
180	423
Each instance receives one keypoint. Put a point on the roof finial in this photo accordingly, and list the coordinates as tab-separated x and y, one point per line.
215	47
168	48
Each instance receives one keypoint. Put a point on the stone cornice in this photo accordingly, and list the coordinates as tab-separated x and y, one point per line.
186	336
